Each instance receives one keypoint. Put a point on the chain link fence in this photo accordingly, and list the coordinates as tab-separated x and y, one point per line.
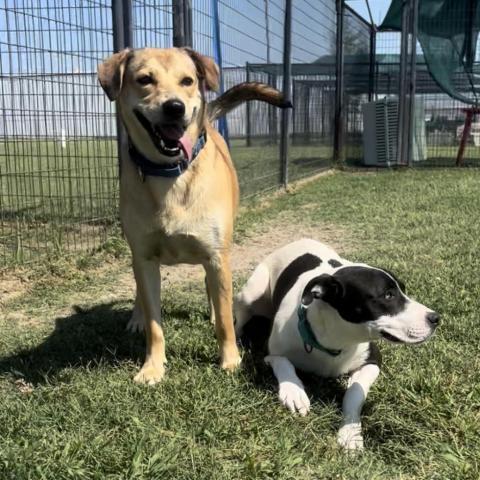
350	85
58	167
58	131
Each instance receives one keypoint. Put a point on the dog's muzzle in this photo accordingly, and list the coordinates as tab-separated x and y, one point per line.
169	137
415	335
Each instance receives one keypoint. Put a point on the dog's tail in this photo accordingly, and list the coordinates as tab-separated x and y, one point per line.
244	92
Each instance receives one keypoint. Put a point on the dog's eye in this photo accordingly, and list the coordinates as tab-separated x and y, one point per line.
389	295
145	80
187	81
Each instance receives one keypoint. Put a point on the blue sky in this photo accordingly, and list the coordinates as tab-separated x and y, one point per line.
64	36
378	7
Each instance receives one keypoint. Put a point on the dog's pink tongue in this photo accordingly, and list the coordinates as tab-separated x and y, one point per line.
186	146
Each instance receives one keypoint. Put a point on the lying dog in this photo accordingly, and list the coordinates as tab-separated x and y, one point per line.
325	312
178	186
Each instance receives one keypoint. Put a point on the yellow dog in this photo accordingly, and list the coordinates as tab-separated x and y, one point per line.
178	186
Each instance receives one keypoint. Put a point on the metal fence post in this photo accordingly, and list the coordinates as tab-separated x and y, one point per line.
373	56
178	22
413	80
217	55
339	136
403	122
187	18
287	84
122	38
248	125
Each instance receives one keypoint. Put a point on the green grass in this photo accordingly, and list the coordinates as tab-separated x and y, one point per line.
438	156
85	419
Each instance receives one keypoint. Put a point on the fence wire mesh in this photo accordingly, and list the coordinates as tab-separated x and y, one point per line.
58	184
58	131
358	85
252	35
152	24
313	84
244	41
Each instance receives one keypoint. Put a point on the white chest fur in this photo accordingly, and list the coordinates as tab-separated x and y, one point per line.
165	218
285	340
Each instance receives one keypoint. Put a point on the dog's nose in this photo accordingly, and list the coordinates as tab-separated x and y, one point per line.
174	109
433	318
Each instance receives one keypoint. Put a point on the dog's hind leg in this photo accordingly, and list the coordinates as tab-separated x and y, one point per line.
219	280
147	276
253	299
210	303
350	433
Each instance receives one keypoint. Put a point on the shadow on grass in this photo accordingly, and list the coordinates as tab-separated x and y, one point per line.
97	335
88	337
94	336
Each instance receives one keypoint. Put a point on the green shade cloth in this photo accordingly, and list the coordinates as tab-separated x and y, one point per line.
447	32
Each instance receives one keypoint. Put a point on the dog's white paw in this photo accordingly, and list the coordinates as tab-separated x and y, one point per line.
135	324
294	398
150	374
350	436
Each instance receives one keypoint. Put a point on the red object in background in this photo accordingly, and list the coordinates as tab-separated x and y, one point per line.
469	113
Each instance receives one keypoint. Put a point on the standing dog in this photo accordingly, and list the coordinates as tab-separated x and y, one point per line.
178	186
325	312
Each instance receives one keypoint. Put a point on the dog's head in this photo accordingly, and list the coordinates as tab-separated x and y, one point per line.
371	304
160	95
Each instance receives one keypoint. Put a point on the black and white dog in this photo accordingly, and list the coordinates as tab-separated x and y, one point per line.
325	312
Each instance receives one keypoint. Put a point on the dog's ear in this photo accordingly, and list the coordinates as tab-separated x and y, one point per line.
388	272
207	69
324	287
400	283
111	71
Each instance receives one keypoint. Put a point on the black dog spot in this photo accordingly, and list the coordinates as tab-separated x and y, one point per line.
334	263
290	274
367	294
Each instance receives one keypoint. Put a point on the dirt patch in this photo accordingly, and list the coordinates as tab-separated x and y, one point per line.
246	256
11	288
272	236
113	280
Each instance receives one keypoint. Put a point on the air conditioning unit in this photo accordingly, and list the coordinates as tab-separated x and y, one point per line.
380	132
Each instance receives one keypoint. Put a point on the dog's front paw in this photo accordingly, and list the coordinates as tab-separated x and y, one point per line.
350	436
294	398
230	358
150	374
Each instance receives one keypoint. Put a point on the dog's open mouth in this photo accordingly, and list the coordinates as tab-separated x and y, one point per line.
169	138
390	337
394	339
